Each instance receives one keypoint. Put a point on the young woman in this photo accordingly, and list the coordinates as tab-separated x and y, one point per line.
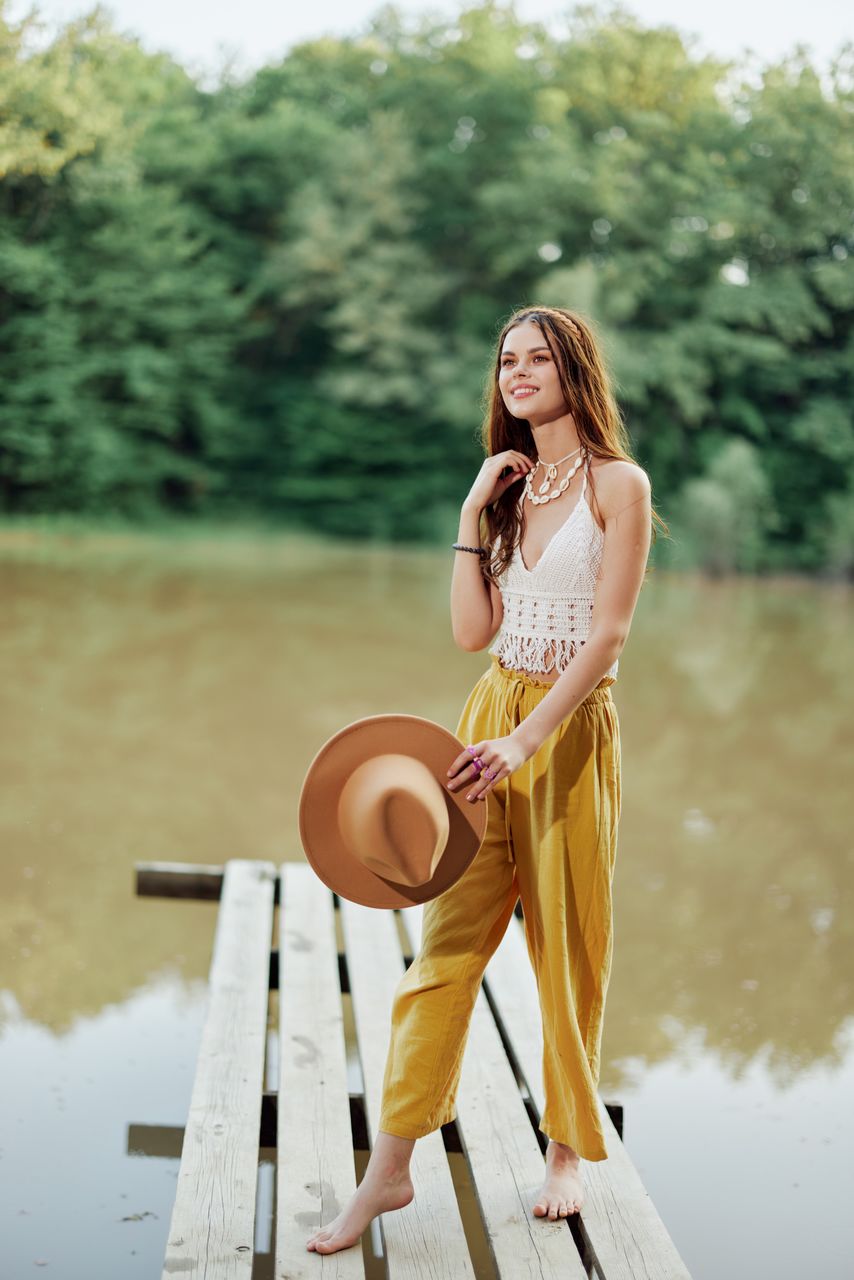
557	575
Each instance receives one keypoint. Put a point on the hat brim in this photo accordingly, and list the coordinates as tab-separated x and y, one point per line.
336	760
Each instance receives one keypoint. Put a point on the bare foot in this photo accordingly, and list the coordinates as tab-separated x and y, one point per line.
386	1185
563	1190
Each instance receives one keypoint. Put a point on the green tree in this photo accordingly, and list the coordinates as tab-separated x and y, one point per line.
725	514
278	296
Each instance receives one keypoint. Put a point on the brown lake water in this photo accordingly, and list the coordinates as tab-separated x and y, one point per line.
161	699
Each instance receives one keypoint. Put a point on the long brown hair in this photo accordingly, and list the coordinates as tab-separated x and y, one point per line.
586	385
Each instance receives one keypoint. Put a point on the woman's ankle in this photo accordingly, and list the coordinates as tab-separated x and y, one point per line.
391	1155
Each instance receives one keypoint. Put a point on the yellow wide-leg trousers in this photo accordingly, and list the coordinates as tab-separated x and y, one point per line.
551	839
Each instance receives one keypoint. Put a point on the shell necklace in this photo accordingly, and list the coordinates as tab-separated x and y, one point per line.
551	475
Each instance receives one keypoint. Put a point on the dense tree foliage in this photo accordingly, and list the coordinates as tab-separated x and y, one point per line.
278	296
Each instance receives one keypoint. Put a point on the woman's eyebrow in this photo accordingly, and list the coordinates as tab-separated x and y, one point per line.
531	350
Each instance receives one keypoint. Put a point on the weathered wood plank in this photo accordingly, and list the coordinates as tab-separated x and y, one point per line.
426	1240
504	1156
619	1222
178	880
196	880
211	1234
315	1166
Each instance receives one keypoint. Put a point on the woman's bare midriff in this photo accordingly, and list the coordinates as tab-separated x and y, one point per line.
551	676
548	676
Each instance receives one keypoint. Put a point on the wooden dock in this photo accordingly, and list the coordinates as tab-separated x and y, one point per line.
330	950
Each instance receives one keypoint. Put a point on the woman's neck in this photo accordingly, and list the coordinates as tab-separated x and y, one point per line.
553	440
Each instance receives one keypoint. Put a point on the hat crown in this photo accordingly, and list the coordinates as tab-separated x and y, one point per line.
393	817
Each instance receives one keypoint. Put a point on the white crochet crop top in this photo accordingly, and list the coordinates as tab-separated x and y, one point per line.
547	609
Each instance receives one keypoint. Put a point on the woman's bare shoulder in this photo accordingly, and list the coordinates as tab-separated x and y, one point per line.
619	483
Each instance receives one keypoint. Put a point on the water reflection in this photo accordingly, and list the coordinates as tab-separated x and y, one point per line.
163	699
735	875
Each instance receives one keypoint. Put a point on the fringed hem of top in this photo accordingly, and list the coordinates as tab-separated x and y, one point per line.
539	653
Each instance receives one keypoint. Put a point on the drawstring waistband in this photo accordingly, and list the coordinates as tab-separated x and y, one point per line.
524	680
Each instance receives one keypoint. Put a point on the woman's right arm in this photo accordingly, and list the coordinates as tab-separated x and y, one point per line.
476	607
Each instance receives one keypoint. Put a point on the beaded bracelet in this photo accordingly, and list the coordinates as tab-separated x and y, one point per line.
478	551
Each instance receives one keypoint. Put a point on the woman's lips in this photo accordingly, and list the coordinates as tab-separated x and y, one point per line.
521	392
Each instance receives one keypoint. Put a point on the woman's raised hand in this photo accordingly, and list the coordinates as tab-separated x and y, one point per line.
489	484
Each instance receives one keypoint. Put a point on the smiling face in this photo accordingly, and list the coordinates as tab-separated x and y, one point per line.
528	376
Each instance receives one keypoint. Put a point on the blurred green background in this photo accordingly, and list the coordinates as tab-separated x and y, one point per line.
273	299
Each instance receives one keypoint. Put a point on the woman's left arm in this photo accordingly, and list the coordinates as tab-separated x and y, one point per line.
625	503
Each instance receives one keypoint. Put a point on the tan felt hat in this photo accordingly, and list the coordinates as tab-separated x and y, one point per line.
376	819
